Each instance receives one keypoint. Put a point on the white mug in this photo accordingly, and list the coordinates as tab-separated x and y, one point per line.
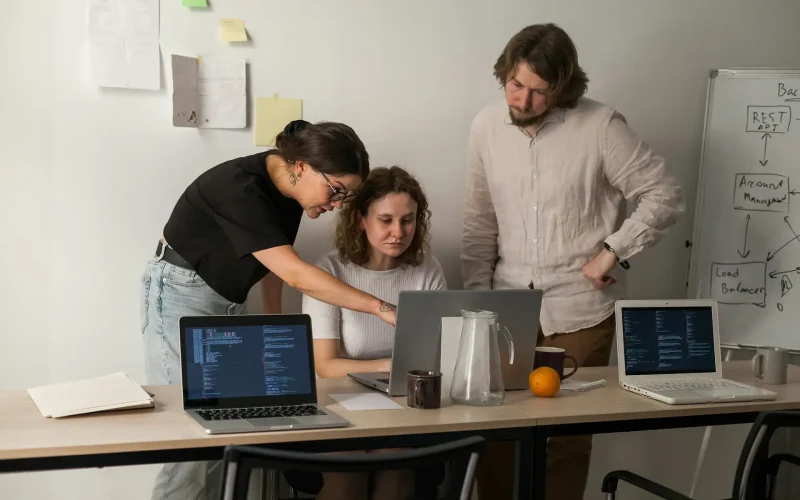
770	365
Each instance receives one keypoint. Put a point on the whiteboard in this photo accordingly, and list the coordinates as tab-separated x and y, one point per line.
746	243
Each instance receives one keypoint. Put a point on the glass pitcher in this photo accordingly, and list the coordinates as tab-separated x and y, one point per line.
478	376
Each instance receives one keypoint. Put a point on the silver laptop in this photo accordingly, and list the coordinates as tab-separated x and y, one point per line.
417	338
251	373
670	351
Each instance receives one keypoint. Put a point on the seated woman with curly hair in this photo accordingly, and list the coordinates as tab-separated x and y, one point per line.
381	248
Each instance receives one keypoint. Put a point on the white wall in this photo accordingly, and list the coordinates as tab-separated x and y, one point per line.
88	176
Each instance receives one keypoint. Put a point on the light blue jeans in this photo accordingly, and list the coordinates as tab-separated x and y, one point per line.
167	293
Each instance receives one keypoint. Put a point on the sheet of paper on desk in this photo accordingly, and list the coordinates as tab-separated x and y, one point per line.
451	338
581	385
122	41
109	392
365	401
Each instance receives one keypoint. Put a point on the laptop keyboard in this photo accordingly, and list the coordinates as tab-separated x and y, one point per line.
688	385
266	412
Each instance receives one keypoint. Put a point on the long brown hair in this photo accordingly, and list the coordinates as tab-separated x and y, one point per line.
351	241
549	52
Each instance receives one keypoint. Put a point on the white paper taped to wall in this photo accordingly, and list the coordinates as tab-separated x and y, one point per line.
122	42
209	92
222	87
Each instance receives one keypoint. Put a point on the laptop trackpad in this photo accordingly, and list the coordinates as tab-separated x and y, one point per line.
273	422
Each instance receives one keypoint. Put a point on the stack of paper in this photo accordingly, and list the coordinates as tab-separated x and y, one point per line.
110	392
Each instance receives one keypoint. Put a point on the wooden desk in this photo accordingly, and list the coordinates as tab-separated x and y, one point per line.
613	409
166	434
29	442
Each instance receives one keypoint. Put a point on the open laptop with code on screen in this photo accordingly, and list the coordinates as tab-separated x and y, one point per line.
251	373
669	350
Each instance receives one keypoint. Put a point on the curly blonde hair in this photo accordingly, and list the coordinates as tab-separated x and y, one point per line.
351	241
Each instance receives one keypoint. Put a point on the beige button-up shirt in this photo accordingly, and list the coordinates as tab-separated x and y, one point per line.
539	208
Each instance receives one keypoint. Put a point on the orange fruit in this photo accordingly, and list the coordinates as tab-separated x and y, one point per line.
544	382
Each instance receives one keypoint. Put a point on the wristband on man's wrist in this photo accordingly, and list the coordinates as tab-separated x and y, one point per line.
624	263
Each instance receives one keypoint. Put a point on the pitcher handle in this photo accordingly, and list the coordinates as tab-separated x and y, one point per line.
510	345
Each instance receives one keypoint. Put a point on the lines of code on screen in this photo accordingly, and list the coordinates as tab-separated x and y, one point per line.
247	361
668	340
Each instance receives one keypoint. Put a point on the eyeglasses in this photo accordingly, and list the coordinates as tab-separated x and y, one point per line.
336	193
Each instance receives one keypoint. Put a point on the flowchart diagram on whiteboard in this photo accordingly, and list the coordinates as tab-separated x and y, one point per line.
746	245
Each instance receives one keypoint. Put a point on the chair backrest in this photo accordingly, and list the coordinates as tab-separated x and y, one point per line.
769	465
240	461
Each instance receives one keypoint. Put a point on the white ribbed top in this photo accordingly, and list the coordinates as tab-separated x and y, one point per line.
365	336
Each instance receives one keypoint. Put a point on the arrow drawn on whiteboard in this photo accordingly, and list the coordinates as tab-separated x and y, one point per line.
745	252
775	274
766	138
770	255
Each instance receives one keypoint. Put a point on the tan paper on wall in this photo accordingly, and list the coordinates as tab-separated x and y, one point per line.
272	115
109	392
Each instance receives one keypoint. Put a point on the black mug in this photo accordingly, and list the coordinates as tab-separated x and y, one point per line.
554	358
424	389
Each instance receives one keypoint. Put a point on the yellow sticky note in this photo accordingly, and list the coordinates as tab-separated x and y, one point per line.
232	30
272	115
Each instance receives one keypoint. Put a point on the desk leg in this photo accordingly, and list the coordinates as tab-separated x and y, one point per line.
524	466
539	463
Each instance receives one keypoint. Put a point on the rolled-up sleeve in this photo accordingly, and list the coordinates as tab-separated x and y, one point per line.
479	236
643	178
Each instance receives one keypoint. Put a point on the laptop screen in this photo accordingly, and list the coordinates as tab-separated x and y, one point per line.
668	340
239	364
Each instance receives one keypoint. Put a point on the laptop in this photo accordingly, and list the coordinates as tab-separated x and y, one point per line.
251	373
417	338
670	351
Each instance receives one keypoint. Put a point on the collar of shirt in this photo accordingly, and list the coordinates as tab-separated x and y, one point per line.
555	115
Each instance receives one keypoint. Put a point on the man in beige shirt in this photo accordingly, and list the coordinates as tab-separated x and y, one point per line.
548	174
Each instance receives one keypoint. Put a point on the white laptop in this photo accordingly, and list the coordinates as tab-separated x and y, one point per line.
669	350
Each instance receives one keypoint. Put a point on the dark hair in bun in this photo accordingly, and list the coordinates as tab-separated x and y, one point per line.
330	148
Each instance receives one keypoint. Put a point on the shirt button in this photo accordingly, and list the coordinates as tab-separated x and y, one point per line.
534	176
535	208
535	240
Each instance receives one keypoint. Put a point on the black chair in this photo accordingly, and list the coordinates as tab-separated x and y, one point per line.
768	469
462	456
426	485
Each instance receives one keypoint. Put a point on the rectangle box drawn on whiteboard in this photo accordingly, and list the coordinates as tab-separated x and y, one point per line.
739	283
769	119
761	193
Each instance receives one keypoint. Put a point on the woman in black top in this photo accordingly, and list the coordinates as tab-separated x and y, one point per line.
233	227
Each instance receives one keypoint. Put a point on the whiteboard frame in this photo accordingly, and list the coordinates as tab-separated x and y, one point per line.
713	74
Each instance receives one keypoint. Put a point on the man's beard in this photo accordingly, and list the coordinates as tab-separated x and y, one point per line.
527	120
